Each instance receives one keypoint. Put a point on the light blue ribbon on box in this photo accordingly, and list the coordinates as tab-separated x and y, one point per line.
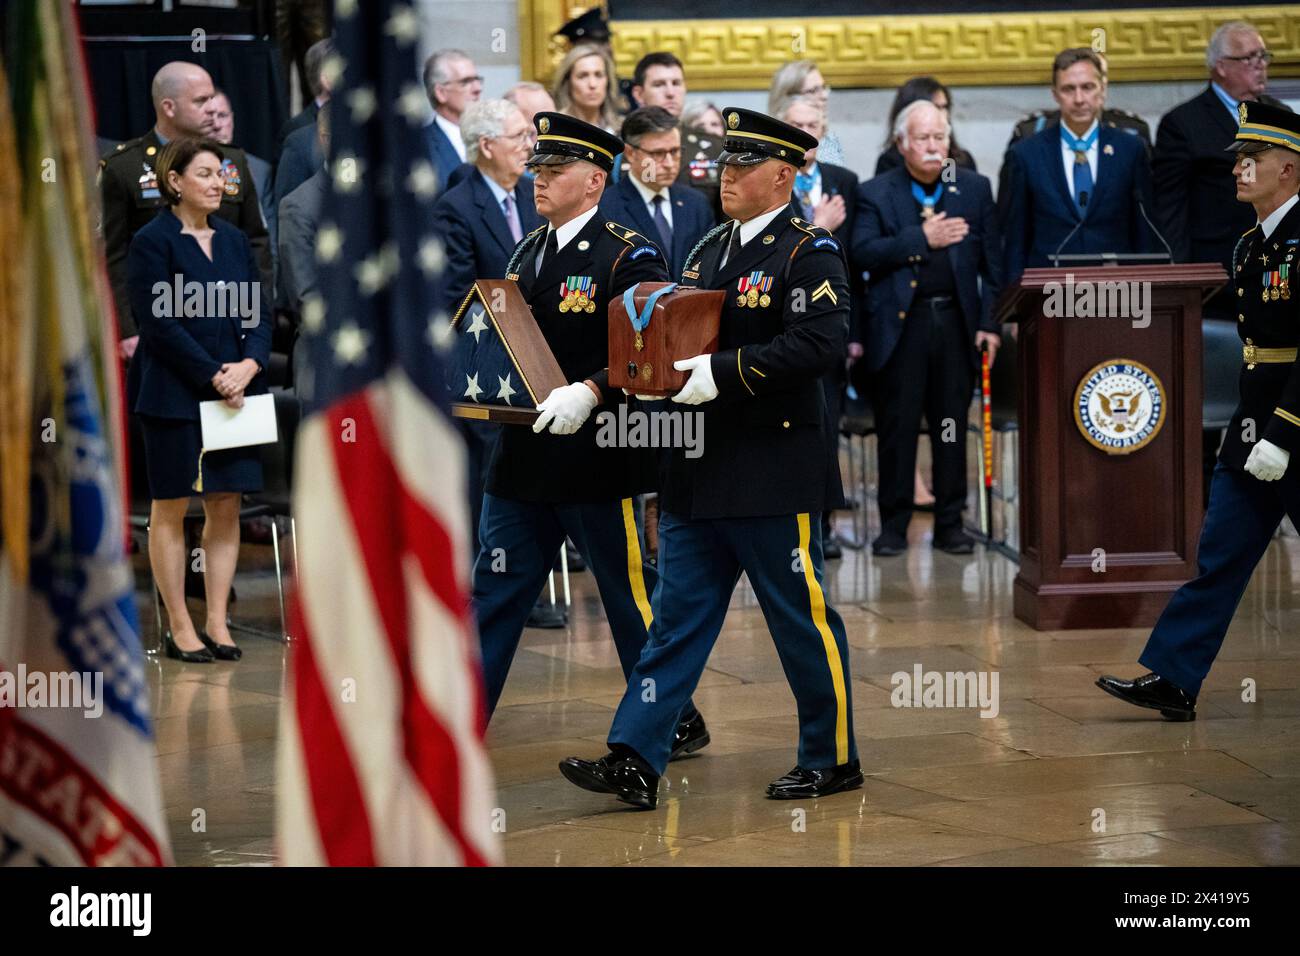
641	320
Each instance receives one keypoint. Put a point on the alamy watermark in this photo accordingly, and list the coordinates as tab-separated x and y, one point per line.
946	689
636	428
1098	300
218	300
75	690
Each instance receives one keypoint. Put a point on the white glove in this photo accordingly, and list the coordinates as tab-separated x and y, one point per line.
565	409
699	388
644	398
1266	461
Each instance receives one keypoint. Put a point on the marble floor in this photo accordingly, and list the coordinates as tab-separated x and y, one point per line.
1062	775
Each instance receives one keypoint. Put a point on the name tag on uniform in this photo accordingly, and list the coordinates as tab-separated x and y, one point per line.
226	427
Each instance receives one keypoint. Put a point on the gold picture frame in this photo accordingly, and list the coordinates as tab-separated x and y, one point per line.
985	49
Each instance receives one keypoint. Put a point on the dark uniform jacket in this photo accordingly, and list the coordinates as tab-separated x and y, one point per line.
567	469
130	199
1196	203
700	152
1270	392
766	446
890	245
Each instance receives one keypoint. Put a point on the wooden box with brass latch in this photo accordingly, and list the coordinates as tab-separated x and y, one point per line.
654	324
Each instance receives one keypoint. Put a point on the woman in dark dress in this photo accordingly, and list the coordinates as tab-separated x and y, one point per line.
198	342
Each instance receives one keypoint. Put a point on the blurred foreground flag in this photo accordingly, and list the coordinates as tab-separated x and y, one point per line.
381	736
78	772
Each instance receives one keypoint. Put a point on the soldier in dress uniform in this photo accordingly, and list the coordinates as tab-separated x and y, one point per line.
752	501
1254	484
183	106
555	479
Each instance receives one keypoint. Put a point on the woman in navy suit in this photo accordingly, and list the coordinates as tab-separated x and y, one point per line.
198	342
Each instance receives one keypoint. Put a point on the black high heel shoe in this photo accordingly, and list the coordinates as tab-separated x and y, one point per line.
203	656
222	652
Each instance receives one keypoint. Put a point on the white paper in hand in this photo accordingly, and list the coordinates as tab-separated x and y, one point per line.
226	427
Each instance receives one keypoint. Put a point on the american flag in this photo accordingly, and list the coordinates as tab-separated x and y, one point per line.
381	747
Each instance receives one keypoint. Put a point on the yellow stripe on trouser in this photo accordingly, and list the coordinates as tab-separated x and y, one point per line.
817	600
634	574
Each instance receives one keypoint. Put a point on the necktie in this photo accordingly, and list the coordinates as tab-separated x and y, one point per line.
549	251
1082	171
512	218
661	224
733	249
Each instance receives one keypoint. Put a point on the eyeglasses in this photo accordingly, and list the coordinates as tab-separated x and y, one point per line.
1258	58
463	81
523	136
661	155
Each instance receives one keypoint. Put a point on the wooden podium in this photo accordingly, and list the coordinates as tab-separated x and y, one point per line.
1110	425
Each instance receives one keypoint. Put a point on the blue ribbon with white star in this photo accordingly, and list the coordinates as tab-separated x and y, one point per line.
927	200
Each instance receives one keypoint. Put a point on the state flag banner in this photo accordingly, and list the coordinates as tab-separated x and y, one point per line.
500	366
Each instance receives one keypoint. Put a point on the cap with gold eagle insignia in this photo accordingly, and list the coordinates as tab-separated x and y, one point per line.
564	139
1263	127
754	138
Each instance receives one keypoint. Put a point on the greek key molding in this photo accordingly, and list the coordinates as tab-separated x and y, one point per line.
962	50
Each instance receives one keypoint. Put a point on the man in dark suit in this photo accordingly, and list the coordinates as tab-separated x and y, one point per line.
825	195
481	221
660	80
927	235
321	82
648	196
183	106
752	501
223	132
451	83
299	215
1195	201
1079	186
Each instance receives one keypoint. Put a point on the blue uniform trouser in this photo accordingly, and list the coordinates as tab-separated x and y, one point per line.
700	562
1243	515
518	544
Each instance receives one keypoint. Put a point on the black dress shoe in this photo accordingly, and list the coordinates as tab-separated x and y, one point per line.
201	656
222	652
831	546
954	541
547	615
802	783
691	735
626	777
889	544
1154	692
